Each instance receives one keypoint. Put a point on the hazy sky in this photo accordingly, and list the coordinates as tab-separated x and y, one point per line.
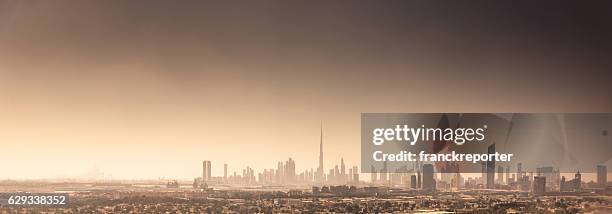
144	89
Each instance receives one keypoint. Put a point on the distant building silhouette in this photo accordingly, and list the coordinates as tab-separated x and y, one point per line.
491	168
206	171
553	177
539	185
172	184
419	179
224	172
355	174
373	174
342	171
571	185
320	176
483	177
429	184
500	174
602	176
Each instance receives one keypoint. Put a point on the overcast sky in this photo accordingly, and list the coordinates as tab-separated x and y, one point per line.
144	89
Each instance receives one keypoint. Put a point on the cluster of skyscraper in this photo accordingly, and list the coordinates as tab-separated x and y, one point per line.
284	174
422	176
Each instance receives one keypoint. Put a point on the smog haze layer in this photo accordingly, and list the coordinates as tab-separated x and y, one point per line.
148	89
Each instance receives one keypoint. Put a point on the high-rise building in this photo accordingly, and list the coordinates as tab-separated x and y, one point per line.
491	168
539	185
383	173
225	172
206	175
419	179
577	180
483	176
602	176
524	183
280	172
507	175
373	174
500	174
552	176
320	177
571	185
429	184
290	171
342	171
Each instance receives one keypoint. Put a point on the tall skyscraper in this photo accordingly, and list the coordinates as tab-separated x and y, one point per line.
321	149
342	171
429	184
225	172
336	177
507	175
383	173
539	185
602	176
320	171
578	180
280	172
483	172
206	170
550	174
519	171
491	168
500	174
290	171
419	179
373	175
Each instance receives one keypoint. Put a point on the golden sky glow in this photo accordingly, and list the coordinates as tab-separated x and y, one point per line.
149	90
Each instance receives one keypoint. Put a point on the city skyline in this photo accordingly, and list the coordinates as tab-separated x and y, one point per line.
318	106
498	176
222	169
